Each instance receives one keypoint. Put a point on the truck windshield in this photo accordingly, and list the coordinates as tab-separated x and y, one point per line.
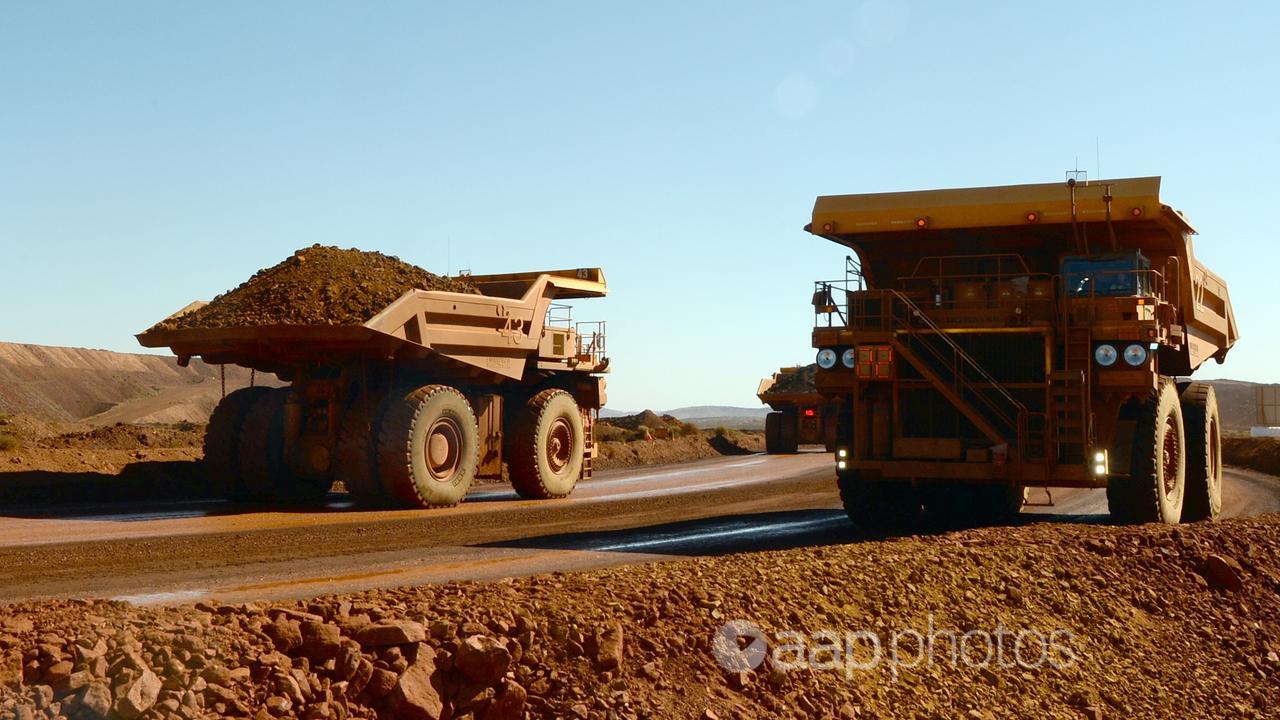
1108	276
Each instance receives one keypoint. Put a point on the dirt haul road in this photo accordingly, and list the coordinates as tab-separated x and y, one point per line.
181	552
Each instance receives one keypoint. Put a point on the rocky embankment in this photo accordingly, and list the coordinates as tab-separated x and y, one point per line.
1046	621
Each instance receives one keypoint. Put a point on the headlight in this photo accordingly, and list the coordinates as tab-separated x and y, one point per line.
1105	355
849	358
1135	355
826	358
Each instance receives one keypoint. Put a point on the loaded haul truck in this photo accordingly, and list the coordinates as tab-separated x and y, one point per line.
435	390
800	415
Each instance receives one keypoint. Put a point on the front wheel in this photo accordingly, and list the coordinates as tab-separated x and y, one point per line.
428	447
1156	487
973	504
222	442
264	469
549	446
878	504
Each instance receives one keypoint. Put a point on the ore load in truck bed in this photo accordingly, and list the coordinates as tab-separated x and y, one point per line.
799	380
318	285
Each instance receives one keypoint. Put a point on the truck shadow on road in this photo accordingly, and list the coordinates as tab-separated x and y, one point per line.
755	532
47	492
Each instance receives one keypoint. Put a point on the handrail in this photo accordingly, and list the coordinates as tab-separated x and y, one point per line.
594	349
998	257
962	382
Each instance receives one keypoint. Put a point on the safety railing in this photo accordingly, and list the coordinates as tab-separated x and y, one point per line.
1144	283
559	316
1150	285
826	304
969	378
591	341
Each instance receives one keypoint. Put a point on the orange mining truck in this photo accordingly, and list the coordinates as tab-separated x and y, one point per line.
407	409
801	415
991	339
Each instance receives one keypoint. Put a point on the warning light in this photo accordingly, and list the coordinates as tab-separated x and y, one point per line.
875	362
922	222
828	227
1033	217
1136	212
809	412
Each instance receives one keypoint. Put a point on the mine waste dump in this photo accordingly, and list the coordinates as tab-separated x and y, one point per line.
318	285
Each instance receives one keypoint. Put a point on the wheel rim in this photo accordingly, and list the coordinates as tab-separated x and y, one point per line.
1169	464
443	448
1215	467
559	445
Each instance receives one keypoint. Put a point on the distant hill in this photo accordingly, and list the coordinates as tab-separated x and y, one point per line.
1238	403
698	412
101	387
707	416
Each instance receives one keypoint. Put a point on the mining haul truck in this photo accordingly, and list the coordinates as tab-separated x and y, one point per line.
801	415
988	340
435	390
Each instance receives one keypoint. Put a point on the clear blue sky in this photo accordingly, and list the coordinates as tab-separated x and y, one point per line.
152	153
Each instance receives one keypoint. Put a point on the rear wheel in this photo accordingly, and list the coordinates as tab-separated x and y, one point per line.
356	465
222	442
878	504
1155	488
772	433
1202	423
549	446
266	473
428	447
829	435
788	431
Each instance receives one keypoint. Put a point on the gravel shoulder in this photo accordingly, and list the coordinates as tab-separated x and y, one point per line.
1146	622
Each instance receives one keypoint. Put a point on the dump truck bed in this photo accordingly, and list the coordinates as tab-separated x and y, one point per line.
493	333
778	399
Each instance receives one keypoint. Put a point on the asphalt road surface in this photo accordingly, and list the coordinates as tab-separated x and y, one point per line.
178	552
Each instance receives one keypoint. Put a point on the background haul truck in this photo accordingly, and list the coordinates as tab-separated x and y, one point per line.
801	415
437	389
986	340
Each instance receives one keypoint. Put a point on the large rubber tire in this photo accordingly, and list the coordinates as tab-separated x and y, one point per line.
547	454
356	464
428	447
1156	487
773	433
878	505
1203	424
267	476
830	438
222	443
788	433
972	504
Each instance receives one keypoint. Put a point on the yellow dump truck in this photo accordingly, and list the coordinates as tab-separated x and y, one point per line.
990	339
435	390
800	414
